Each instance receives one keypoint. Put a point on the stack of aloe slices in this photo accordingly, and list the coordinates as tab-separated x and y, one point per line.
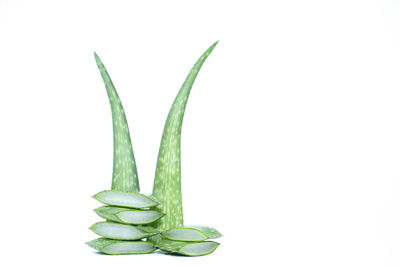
131	216
190	240
128	222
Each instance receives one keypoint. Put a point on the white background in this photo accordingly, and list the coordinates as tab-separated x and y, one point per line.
290	143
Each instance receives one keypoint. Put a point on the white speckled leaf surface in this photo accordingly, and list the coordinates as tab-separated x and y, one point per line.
167	180
125	177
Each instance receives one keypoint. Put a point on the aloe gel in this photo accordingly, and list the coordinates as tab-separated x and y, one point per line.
187	248
119	247
191	233
125	199
120	231
127	215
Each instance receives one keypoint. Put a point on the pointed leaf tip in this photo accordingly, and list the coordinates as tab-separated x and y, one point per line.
214	45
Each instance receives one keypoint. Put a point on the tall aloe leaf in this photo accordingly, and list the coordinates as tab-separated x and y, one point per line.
167	180
125	177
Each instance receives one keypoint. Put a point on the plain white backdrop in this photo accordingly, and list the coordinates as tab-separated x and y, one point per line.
290	143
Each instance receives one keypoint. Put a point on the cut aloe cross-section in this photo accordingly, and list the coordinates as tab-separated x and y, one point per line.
118	247
122	231
191	233
187	248
127	215
125	199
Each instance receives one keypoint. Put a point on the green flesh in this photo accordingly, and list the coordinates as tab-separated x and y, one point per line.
128	216
125	177
187	248
118	247
191	233
167	180
122	231
125	199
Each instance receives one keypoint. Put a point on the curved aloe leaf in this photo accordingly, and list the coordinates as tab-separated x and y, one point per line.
125	177
167	180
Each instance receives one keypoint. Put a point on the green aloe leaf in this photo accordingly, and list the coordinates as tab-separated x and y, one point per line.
167	180
125	177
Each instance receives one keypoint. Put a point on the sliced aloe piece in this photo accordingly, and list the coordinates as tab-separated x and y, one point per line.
118	247
125	199
167	180
191	233
128	216
122	231
187	248
125	177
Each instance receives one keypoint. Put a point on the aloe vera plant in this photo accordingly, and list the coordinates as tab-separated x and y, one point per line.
125	177
118	247
167	180
129	213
